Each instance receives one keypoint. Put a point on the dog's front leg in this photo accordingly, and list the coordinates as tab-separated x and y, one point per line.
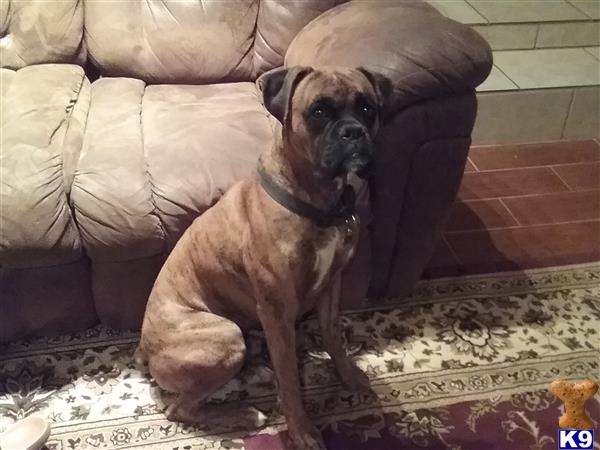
328	311
280	334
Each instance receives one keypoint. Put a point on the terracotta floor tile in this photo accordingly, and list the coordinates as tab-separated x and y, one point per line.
527	247
555	208
469	167
508	183
479	214
580	176
536	154
523	206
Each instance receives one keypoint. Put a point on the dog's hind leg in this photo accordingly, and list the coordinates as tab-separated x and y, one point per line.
194	358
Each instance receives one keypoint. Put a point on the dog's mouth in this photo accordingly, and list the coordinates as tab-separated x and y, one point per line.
354	159
343	154
360	163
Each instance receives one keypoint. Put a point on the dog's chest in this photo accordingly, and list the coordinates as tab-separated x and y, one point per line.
333	250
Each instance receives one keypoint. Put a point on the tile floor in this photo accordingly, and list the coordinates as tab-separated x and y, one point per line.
509	36
523	116
534	69
594	51
523	206
545	82
527	11
574	34
476	12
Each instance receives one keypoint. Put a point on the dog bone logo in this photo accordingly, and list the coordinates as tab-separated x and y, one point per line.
574	395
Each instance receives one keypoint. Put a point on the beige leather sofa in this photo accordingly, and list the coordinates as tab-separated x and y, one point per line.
99	179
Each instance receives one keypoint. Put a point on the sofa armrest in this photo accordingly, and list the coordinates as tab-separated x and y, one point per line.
434	64
424	54
420	160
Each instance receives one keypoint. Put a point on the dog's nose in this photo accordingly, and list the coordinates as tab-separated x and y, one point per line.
351	132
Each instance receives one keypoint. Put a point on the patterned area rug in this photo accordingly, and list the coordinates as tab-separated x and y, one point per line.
464	363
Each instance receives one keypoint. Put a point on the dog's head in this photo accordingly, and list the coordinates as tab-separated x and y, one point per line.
330	117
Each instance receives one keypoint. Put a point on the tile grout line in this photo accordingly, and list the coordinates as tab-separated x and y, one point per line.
569	108
509	78
529	22
487	21
593	54
473	164
532	90
503	147
562	47
484	199
510	212
541	49
561	179
505	169
573	5
537	33
521	227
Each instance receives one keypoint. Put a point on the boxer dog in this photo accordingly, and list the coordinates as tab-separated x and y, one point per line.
270	250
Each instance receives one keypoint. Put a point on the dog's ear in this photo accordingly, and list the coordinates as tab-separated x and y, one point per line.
383	88
278	87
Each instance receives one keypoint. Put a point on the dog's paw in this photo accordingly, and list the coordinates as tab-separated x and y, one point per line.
184	411
306	438
140	360
175	413
354	379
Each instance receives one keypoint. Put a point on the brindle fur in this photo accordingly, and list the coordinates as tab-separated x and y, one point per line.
249	262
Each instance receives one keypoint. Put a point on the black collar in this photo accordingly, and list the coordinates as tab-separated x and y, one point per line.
338	214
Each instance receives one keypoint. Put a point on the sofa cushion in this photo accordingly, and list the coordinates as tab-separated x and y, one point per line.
277	24
156	157
169	41
36	32
44	108
194	42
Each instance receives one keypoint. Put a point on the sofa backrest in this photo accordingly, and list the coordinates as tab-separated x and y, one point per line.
183	41
40	31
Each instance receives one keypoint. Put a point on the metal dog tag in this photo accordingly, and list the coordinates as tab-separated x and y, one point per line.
350	225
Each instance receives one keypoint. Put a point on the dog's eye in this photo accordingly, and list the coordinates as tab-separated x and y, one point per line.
367	110
318	112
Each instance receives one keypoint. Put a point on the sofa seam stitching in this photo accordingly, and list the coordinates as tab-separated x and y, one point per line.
148	176
67	198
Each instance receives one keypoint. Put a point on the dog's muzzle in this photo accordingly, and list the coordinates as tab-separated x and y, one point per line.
348	148
356	146
360	164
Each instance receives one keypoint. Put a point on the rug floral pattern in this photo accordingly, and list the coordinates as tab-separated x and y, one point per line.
463	364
